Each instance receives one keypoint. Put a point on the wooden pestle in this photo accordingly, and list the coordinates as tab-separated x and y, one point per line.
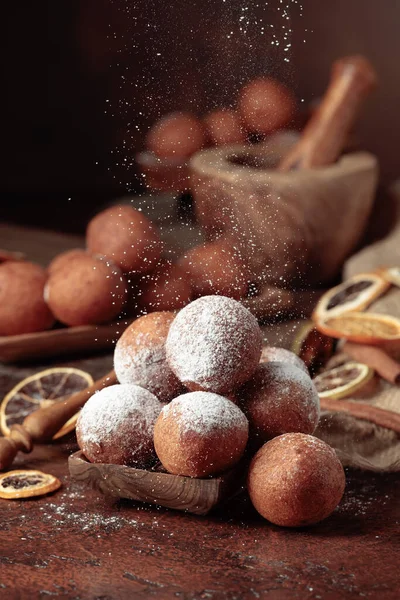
324	136
41	425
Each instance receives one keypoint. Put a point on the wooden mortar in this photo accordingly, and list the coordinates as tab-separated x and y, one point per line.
293	224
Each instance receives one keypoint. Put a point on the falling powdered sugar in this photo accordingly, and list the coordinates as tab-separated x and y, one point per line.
205	412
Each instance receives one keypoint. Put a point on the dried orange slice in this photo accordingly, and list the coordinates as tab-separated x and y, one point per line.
343	381
363	328
26	484
313	347
40	390
355	294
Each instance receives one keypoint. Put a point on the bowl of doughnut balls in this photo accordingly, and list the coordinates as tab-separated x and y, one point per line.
264	106
200	397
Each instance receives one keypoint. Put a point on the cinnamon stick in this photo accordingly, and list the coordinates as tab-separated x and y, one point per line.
360	410
41	425
324	136
377	359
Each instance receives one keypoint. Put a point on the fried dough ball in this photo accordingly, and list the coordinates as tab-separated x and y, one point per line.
224	127
176	135
279	398
125	236
200	434
215	268
265	105
86	291
165	288
64	257
276	354
214	344
295	480
116	426
139	356
22	306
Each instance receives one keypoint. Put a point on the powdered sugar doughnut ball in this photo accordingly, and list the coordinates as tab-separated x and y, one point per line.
276	354
214	344
116	426
139	356
279	398
200	434
295	480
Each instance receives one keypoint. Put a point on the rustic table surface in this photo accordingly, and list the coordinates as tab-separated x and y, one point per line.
77	544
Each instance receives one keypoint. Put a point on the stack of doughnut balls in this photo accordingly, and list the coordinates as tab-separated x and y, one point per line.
198	391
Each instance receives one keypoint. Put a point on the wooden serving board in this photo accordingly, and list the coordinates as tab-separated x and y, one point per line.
62	341
197	496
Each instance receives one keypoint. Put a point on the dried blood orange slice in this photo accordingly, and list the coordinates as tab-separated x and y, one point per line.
26	484
363	328
355	294
343	381
40	390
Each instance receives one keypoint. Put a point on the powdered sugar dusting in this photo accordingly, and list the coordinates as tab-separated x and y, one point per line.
276	354
119	419
204	412
283	376
212	342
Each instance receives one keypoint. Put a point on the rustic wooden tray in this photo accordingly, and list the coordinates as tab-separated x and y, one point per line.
197	496
60	341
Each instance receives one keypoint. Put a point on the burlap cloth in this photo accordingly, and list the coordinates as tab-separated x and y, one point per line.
359	443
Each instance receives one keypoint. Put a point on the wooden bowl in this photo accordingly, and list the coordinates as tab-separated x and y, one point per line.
155	486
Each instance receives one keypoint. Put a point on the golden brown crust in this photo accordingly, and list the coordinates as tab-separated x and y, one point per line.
86	290
295	480
125	236
216	268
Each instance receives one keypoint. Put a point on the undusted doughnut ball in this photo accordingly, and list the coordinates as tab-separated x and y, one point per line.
276	354
200	434
295	480
266	105
139	356
214	344
176	135
279	398
224	127
216	268
61	259
116	426
125	236
22	307
86	290
165	288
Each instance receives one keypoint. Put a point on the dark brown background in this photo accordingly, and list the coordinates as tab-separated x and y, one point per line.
81	81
